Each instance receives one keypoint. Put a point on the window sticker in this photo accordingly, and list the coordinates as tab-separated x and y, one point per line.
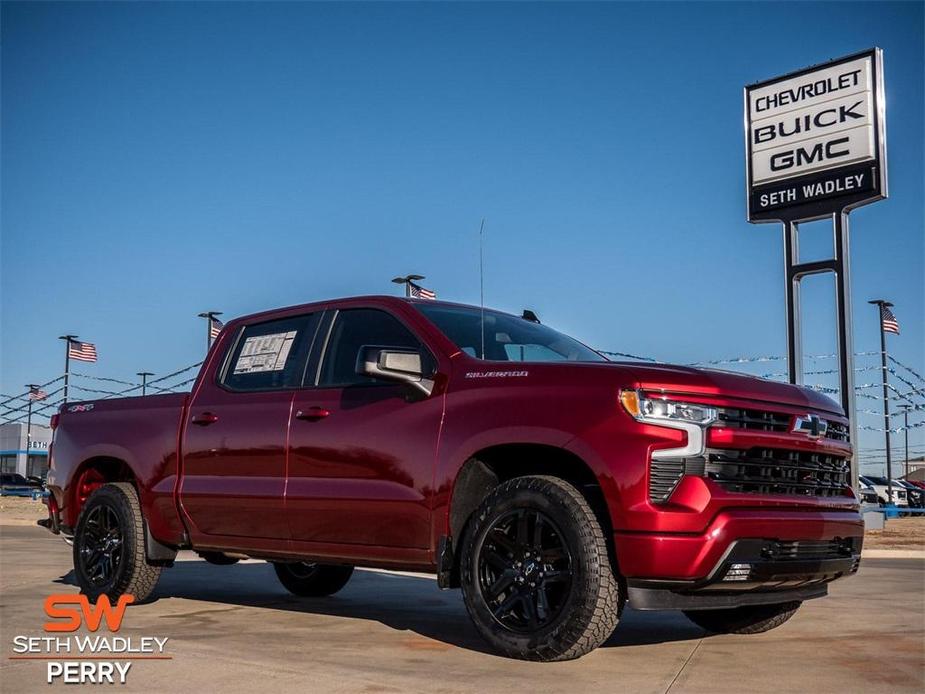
264	353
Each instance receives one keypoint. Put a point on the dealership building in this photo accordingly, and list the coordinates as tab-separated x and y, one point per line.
20	454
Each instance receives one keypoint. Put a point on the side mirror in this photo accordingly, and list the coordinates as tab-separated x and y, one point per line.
396	364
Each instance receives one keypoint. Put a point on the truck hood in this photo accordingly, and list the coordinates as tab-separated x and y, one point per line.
685	379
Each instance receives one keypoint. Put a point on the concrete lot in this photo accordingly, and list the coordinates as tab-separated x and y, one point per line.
234	629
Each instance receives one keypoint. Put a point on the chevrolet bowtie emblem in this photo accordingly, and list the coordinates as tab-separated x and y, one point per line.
811	425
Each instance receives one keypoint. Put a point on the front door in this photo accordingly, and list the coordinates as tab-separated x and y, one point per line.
361	456
234	448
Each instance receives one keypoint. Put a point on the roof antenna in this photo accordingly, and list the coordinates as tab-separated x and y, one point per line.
482	286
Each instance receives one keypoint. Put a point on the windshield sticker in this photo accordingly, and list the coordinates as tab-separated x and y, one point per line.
264	353
496	374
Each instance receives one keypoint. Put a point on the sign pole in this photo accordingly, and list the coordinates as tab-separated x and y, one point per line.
846	336
792	289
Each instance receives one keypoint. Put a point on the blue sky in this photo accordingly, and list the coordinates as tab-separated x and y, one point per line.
163	159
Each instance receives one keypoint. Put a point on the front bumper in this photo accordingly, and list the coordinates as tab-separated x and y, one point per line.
744	557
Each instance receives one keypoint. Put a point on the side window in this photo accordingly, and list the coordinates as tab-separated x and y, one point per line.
270	356
355	328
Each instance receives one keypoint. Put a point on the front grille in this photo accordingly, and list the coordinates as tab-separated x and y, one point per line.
664	476
768	420
760	420
837	431
807	550
778	471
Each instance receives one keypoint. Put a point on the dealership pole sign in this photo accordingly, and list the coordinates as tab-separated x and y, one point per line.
815	148
816	140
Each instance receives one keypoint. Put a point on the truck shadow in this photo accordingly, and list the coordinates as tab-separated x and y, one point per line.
399	601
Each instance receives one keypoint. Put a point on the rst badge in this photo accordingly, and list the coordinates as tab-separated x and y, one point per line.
86	407
815	140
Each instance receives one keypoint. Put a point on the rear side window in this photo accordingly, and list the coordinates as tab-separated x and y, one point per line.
356	328
271	355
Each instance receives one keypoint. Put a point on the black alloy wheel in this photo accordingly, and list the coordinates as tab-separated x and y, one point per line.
524	570
536	574
109	545
100	554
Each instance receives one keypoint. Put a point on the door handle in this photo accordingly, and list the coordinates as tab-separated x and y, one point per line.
205	419
312	414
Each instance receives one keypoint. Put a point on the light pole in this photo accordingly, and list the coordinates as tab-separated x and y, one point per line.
144	380
882	304
33	389
408	280
905	409
210	317
68	339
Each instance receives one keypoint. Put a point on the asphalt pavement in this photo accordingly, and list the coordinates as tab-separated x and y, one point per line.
235	629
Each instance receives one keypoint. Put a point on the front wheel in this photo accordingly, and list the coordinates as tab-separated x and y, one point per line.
309	580
109	546
536	574
751	619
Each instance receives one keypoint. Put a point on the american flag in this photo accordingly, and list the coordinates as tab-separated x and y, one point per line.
420	292
37	394
888	320
215	327
81	351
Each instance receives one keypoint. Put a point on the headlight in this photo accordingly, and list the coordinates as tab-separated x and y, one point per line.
657	410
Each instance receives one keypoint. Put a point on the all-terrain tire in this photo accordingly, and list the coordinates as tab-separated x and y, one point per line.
312	580
751	619
588	609
111	521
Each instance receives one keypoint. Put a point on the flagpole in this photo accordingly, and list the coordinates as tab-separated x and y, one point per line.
209	316
67	360
880	303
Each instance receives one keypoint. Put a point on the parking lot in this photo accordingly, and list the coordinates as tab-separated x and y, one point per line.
229	627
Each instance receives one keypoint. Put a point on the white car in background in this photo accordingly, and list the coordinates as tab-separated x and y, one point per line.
880	487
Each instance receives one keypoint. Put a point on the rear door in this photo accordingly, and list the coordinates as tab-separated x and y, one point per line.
234	461
361	456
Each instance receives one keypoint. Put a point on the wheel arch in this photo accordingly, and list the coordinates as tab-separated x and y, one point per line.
98	470
91	474
491	466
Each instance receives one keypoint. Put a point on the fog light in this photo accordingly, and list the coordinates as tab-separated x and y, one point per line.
738	572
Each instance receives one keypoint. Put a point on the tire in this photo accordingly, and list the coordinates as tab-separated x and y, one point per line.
109	546
752	619
539	593
312	580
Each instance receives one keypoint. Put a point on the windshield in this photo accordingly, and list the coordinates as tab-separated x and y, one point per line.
507	337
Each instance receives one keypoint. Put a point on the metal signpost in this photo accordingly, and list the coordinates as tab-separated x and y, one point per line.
815	143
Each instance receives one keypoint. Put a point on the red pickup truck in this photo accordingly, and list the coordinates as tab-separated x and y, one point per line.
550	484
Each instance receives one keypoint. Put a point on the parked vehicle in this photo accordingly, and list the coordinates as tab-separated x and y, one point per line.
914	496
14	484
17	480
867	494
880	486
548	483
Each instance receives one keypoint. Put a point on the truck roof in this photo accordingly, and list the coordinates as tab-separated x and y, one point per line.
376	298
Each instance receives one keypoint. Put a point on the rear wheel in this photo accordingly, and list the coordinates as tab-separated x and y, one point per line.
312	580
109	545
536	575
751	619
